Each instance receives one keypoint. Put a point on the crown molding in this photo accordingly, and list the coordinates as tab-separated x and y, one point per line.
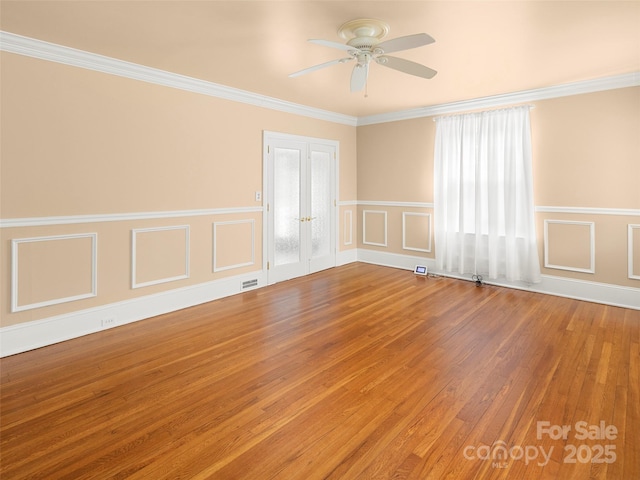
30	47
12	43
587	86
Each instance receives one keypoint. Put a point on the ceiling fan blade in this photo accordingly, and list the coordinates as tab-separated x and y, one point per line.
359	76
318	67
405	43
328	43
406	66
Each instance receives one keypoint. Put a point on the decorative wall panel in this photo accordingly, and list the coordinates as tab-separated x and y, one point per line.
374	227
51	270
348	227
416	231
233	244
634	251
159	255
569	245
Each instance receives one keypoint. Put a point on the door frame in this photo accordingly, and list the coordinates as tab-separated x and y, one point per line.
270	136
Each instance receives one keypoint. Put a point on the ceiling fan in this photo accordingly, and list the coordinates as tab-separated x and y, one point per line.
364	45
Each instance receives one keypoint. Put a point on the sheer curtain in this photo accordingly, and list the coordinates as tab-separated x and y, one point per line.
484	214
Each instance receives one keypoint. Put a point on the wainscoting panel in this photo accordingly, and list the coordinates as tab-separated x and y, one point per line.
159	255
416	231
348	227
569	245
52	269
374	227
233	244
633	251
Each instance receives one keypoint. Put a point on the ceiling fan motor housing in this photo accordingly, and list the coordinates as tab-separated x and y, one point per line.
364	33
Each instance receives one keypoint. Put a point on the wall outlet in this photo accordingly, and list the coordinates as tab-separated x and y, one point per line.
108	322
258	196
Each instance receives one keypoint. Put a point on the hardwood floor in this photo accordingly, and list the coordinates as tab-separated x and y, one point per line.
356	372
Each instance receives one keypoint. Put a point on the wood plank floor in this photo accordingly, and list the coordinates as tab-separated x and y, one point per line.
357	372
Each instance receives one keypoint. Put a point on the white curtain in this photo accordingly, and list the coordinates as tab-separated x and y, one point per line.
484	214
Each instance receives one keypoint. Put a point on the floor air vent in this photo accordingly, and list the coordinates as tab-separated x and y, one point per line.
249	284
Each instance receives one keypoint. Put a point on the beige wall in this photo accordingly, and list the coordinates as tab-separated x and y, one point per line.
80	142
586	150
586	154
75	142
395	161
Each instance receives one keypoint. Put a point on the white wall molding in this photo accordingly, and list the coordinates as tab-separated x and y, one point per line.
592	246
15	243
386	203
588	86
630	243
134	255
538	209
217	268
404	231
605	293
364	227
590	210
120	217
39	333
31	47
348	227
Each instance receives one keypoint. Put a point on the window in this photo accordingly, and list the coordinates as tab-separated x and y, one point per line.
484	215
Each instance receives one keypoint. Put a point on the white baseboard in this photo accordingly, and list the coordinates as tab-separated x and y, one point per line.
40	333
605	293
396	260
346	256
48	331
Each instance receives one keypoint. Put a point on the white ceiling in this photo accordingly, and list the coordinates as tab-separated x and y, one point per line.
482	48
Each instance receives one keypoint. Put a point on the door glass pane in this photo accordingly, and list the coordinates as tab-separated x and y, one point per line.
286	208
320	203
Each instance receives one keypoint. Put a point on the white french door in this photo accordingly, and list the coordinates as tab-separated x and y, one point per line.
300	193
